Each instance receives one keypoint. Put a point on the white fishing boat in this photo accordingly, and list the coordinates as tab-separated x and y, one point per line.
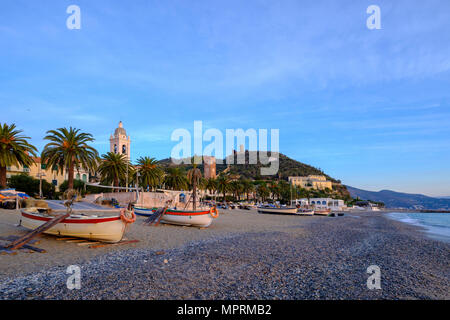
322	212
281	210
197	218
106	229
305	212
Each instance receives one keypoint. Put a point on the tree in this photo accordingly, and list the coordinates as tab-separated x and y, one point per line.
77	185
274	190
263	192
150	174
113	167
194	175
247	187
175	179
14	150
236	188
211	185
68	149
223	185
30	185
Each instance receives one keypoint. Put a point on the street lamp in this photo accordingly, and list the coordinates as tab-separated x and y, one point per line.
40	175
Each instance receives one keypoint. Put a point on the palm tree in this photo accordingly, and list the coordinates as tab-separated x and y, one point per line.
14	150
223	185
275	190
175	179
236	187
69	149
113	167
149	172
211	185
263	191
194	175
247	187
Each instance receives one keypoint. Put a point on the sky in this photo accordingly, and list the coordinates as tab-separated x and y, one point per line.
369	107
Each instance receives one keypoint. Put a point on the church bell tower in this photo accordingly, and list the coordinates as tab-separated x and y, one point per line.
120	142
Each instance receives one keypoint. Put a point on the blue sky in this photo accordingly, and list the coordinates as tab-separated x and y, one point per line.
369	107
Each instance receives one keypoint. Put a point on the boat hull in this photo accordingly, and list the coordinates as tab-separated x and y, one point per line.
322	212
144	212
201	219
278	210
105	229
306	213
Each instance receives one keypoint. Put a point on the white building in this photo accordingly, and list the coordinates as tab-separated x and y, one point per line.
322	203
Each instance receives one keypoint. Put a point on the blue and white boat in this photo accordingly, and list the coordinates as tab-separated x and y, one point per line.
141	211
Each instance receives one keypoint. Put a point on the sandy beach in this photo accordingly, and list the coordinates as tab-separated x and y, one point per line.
243	255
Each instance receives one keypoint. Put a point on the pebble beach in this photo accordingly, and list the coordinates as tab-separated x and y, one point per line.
242	255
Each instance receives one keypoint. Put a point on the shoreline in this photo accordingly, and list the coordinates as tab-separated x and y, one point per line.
243	255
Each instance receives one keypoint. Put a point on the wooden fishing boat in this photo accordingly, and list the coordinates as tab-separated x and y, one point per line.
305	212
145	212
199	218
282	210
106	229
322	212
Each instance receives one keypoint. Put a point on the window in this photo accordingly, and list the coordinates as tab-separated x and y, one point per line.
324	202
115	148
78	176
84	178
43	166
124	149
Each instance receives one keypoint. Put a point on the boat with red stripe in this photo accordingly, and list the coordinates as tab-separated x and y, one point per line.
101	228
195	218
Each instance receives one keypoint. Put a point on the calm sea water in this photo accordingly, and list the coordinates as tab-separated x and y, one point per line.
437	225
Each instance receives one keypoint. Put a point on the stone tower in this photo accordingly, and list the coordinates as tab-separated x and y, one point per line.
209	166
120	142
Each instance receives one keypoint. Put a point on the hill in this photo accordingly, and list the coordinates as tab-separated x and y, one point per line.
393	199
287	167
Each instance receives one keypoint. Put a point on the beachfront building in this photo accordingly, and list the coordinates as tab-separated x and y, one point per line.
51	175
120	142
209	165
317	182
322	203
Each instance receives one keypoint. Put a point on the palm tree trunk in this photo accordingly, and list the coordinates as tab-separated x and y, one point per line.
2	177
70	177
116	184
194	196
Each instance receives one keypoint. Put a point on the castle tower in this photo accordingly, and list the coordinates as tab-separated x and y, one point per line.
120	142
209	166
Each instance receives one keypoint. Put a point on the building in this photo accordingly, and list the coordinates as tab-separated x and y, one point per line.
209	166
317	182
120	142
322	203
51	175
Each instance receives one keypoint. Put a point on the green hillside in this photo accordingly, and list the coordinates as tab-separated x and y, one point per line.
287	167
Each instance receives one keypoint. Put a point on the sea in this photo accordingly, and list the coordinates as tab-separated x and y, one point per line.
436	225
